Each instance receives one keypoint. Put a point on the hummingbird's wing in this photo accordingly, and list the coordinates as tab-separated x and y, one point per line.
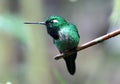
74	28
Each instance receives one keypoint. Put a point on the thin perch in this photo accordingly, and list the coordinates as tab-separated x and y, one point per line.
89	44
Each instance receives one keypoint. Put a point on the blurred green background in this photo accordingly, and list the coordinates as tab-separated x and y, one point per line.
27	51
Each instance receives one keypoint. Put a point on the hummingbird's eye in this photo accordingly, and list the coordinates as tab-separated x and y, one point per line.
54	21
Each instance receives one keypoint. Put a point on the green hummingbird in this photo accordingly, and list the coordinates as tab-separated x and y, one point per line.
65	37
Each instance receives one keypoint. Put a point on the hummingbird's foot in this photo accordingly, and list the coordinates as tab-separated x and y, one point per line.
57	57
65	53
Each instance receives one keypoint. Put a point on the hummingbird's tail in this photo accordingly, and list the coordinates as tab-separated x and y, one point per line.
70	63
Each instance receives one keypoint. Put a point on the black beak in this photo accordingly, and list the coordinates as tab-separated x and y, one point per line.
42	23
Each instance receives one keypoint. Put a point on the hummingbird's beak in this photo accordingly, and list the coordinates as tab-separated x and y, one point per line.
43	23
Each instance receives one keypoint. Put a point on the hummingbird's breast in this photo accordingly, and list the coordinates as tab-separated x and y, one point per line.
68	39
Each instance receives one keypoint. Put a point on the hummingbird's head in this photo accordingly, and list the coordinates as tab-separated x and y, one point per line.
55	22
52	22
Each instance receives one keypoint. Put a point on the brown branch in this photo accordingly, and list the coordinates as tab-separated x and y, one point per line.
89	44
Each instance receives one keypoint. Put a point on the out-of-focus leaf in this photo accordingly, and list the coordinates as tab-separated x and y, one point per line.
115	17
13	25
59	78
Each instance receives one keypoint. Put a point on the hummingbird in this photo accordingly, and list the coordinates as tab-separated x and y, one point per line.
65	36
